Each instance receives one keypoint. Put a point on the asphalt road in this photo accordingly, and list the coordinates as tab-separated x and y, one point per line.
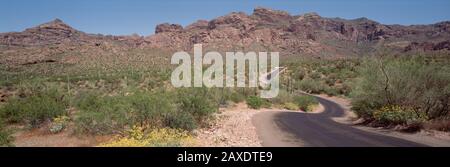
292	129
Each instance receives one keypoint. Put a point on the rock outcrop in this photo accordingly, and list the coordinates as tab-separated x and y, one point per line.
307	34
166	27
264	29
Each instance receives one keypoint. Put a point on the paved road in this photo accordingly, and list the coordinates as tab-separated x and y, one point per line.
291	129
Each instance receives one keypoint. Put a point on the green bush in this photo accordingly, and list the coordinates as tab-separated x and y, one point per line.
255	102
282	98
291	106
148	108
34	109
315	75
197	102
224	95
311	86
305	102
5	137
331	91
402	81
103	115
237	97
180	120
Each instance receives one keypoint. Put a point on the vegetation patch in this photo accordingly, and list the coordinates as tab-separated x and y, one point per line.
291	106
255	102
306	103
36	108
5	136
402	90
165	137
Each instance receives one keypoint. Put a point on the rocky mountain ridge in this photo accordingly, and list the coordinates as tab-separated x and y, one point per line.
264	29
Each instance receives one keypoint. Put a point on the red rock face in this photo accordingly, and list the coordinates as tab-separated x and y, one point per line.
264	29
271	16
428	46
166	27
51	33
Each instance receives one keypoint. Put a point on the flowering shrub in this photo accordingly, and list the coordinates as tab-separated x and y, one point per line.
291	106
398	115
165	137
59	124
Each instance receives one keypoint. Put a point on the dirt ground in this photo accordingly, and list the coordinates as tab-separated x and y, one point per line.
232	128
42	137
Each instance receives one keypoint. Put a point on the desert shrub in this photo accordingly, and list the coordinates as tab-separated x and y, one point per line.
137	137
237	97
89	100
403	81
311	86
180	120
305	103
224	96
34	109
298	74
324	76
330	81
255	102
398	115
315	75
110	114
343	89
363	109
198	103
346	73
149	108
107	114
5	136
291	106
331	91
283	97
5	139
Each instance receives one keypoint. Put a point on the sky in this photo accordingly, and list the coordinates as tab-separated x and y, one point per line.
125	17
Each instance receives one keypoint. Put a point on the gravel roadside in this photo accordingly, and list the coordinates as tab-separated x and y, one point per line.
232	127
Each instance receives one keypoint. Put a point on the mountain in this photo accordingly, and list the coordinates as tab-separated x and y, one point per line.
54	32
263	30
309	34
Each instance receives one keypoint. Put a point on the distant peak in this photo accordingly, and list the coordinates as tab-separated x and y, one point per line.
312	14
166	27
268	11
362	19
270	15
57	21
56	24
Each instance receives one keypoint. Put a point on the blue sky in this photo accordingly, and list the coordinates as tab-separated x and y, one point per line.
122	17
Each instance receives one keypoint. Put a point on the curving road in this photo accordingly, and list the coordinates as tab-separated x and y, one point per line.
292	129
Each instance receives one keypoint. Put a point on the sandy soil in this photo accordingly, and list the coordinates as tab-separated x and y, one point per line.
42	137
232	128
